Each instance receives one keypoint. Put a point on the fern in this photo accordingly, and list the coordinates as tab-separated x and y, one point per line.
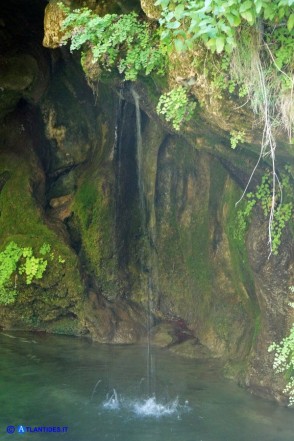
115	41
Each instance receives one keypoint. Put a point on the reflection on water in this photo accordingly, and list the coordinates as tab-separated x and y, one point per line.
99	392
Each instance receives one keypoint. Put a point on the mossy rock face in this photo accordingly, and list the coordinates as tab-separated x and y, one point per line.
23	221
21	76
113	322
92	224
273	276
68	325
191	349
18	72
69	115
196	272
92	219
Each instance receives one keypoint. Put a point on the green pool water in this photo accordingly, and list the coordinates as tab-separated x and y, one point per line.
99	393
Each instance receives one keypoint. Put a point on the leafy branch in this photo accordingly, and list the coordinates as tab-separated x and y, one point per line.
216	22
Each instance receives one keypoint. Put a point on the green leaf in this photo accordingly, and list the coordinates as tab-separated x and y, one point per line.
162	3
269	13
258	6
219	44
180	45
173	24
189	44
211	44
208	30
248	16
290	22
234	20
179	11
165	34
245	6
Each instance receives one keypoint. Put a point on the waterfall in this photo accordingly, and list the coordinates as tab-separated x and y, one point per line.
119	166
146	257
140	159
117	152
116	158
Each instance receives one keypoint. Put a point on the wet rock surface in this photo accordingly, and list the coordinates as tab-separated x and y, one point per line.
68	175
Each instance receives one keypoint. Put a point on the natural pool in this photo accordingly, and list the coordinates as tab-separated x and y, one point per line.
98	392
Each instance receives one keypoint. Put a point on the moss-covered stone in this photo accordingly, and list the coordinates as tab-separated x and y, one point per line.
22	220
93	217
191	349
199	265
19	78
186	256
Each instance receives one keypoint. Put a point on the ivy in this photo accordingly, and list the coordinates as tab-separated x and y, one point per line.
18	261
115	41
176	107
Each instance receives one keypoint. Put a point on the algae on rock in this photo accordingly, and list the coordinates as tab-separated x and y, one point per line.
22	220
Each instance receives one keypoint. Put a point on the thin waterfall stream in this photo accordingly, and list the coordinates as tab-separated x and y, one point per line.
117	152
147	402
146	261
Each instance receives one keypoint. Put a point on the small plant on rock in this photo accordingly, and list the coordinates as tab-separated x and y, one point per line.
17	261
284	359
176	107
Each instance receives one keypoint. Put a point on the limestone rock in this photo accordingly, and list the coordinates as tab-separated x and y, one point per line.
150	9
23	220
192	349
61	207
52	25
112	322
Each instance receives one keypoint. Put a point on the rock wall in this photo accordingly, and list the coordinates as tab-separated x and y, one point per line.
69	177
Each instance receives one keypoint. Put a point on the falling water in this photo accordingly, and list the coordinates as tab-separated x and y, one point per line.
117	146
147	264
115	153
117	158
149	405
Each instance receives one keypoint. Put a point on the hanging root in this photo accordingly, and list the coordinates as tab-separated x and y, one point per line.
251	68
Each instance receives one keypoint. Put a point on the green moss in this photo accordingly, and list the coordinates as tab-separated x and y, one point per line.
242	276
22	221
63	326
93	217
185	269
242	271
18	72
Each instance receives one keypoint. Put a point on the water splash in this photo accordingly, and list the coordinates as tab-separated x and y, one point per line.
151	408
94	390
145	408
112	402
